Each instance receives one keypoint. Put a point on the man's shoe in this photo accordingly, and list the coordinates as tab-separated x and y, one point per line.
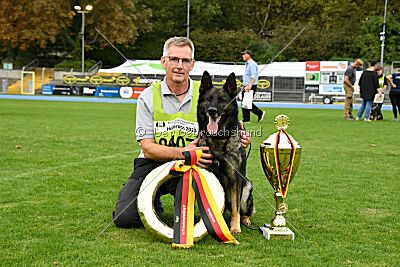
261	117
349	119
357	119
395	119
367	120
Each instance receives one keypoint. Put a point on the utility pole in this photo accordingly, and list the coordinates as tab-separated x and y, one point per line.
188	19
382	34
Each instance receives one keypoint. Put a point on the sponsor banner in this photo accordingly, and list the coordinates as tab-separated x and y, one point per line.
219	82
264	89
332	77
312	73
333	89
312	66
137	91
132	86
333	65
126	92
107	81
107	91
311	88
264	83
312	78
263	96
131	92
48	89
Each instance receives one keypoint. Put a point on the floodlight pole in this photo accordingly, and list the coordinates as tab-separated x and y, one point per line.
83	42
188	19
383	35
79	9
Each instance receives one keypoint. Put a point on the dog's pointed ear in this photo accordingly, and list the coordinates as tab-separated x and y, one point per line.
230	84
206	82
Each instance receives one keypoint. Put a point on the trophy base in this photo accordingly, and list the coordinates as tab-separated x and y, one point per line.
283	233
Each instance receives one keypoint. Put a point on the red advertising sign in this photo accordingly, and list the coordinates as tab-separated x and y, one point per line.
312	66
137	91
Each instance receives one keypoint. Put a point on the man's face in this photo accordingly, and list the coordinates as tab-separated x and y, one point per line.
176	69
379	72
358	66
246	57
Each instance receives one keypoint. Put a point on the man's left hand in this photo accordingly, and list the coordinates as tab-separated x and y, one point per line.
245	137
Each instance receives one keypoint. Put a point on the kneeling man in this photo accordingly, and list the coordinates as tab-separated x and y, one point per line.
168	103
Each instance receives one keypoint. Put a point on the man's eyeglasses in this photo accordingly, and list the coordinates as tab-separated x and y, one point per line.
186	62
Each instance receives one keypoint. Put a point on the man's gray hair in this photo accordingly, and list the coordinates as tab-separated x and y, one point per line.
178	41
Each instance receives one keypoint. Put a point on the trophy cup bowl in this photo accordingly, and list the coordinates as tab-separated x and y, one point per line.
280	158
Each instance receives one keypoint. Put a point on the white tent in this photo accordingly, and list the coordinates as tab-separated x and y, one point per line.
283	69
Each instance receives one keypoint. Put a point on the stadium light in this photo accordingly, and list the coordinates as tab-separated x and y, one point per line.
187	18
382	34
79	9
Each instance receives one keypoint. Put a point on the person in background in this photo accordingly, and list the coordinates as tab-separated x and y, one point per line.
376	111
250	79
369	85
394	93
349	80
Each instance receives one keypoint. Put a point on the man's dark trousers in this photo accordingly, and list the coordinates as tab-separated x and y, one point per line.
254	108
126	214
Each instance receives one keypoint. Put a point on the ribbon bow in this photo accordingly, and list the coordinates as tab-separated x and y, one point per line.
191	186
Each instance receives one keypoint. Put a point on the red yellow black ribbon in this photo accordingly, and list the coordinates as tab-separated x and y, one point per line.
193	185
288	171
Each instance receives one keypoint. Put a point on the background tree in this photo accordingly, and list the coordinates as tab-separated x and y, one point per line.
43	26
368	43
220	29
25	23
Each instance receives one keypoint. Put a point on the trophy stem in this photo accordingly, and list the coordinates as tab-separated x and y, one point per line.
279	201
281	207
277	229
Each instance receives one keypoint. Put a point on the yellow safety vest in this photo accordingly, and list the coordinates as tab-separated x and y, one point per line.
175	130
381	81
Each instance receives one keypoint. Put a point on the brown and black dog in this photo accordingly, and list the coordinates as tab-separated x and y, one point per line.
376	113
219	129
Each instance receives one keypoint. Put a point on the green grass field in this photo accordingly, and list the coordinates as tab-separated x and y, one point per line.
62	165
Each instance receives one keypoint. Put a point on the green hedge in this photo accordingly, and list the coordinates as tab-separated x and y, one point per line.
76	65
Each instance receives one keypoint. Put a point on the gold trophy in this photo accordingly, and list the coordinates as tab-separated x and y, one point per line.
280	158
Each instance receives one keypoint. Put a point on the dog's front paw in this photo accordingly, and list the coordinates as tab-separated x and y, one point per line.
235	230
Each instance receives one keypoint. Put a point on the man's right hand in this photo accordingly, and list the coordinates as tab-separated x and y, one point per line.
206	158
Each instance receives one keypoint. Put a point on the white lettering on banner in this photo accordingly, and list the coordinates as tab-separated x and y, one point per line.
210	214
177	124
183	225
267	96
110	91
149	80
